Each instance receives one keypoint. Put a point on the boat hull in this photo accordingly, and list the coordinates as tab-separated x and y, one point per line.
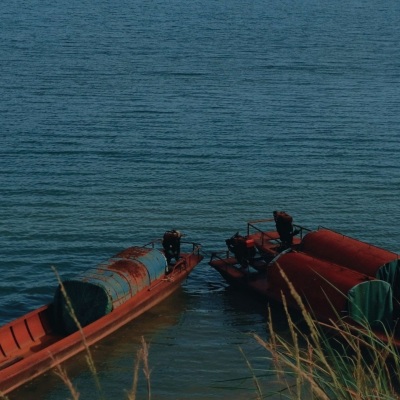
338	279
255	282
46	349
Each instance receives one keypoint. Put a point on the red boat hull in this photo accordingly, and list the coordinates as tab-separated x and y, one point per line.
29	346
338	279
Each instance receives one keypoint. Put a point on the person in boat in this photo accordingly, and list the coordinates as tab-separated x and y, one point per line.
172	245
284	227
242	248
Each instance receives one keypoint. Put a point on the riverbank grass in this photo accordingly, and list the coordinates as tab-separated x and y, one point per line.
331	361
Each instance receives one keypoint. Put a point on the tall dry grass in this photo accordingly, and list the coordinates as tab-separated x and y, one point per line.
331	361
142	357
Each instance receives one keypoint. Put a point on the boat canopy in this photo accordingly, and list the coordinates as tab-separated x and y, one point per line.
98	291
330	291
153	259
354	254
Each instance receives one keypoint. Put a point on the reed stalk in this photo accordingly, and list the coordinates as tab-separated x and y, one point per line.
146	369
255	380
135	380
88	357
142	357
62	374
3	396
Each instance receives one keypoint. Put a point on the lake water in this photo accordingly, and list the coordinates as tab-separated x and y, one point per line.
120	120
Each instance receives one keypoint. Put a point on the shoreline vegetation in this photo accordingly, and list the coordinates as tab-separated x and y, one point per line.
330	361
312	360
321	362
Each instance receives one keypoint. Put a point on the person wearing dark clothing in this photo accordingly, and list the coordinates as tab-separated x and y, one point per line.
242	248
284	227
172	245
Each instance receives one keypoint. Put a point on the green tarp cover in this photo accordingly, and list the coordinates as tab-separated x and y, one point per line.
98	291
81	295
390	273
370	303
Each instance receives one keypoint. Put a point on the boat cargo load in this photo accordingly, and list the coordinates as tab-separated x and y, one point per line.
330	291
98	291
354	254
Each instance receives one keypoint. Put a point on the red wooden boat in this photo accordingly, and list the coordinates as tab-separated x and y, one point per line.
104	299
337	278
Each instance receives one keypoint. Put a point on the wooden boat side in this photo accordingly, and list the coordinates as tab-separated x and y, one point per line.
228	268
30	347
25	335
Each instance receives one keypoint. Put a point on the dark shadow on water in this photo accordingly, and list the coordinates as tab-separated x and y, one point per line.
243	302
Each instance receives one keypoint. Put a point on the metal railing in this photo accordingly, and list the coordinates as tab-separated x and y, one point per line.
265	236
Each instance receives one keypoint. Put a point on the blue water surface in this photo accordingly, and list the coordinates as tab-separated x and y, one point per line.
120	120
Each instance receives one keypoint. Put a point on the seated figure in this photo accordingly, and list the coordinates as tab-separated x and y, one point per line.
242	248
